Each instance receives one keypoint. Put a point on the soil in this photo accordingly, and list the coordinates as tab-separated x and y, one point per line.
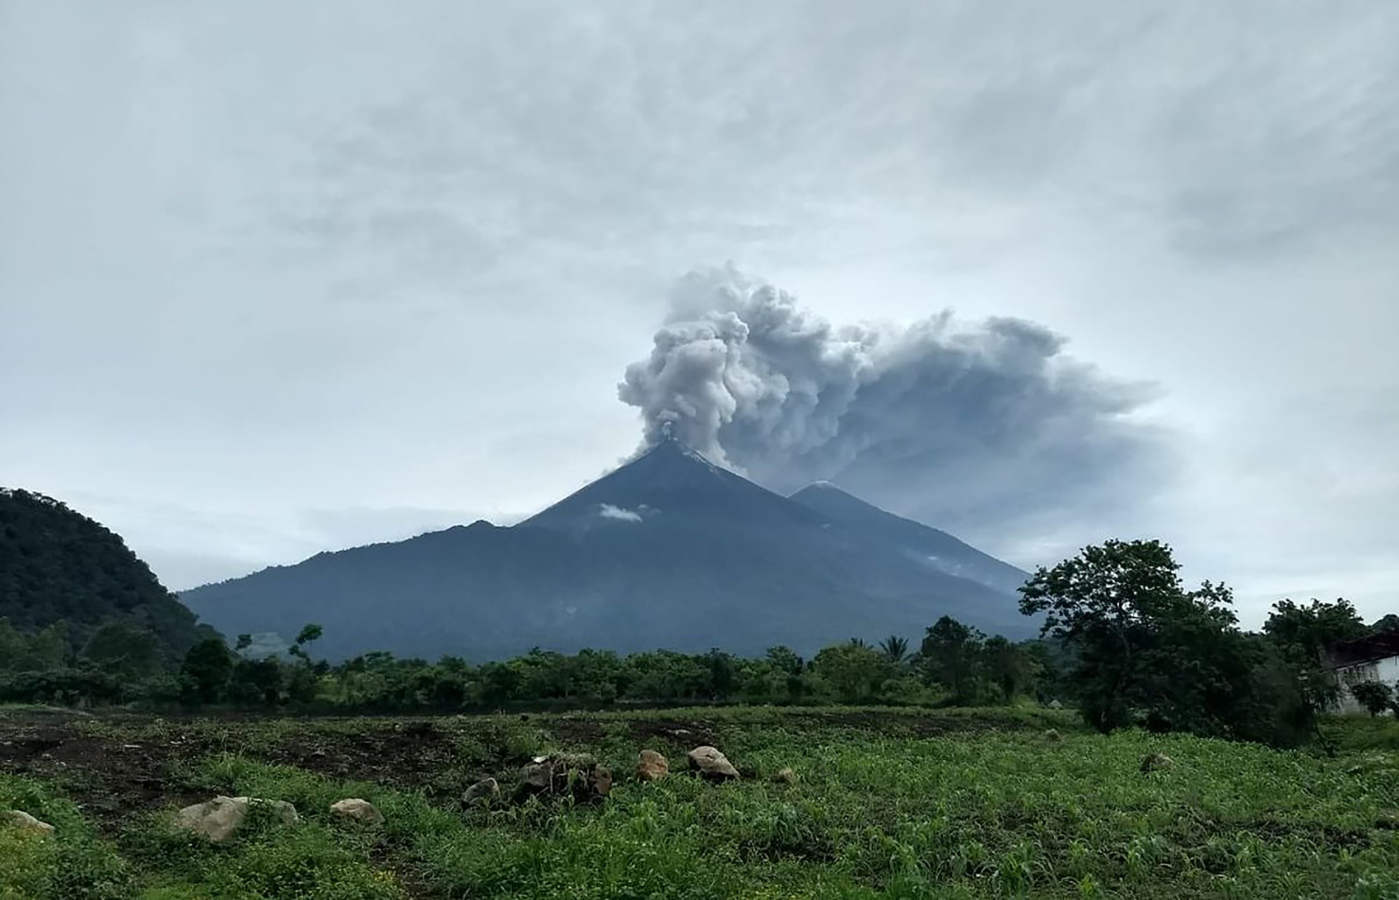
115	776
123	765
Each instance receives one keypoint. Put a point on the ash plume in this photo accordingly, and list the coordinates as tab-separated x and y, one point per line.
958	425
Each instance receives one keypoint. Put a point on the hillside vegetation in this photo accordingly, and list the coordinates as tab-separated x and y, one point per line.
59	566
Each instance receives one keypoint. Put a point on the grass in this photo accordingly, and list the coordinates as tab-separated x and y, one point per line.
887	803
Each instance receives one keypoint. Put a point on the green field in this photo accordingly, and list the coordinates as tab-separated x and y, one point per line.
888	802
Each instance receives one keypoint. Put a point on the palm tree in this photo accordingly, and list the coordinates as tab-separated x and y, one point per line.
895	648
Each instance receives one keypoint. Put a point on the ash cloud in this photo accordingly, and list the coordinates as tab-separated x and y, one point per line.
964	427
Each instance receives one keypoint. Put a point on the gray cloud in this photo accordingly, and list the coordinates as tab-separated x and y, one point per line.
962	426
259	261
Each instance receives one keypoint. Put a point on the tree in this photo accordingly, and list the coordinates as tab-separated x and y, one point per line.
1386	623
895	648
1375	696
207	668
1142	641
125	650
244	642
1302	634
723	675
854	670
950	656
1008	666
308	634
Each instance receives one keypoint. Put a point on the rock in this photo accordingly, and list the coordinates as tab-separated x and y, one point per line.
785	776
537	777
219	818
1055	704
358	810
486	788
1155	762
565	773
19	819
651	766
712	764
1052	735
600	781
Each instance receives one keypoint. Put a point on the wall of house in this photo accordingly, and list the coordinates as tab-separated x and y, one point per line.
1386	670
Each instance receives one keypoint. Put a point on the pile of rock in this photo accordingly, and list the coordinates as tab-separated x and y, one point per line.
219	819
576	774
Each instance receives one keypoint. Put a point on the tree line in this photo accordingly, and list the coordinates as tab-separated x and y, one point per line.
1123	641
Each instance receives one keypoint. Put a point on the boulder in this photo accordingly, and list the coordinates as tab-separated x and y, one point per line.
357	810
651	766
785	775
1155	762
486	789
1052	735
219	818
711	764
19	819
565	773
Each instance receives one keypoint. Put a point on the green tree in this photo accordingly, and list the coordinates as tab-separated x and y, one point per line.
895	649
1302	635
723	674
207	668
125	650
1008	666
854	671
1375	696
257	681
950	656
1386	623
307	635
1140	638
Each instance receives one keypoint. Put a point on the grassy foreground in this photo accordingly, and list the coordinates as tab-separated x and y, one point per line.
900	803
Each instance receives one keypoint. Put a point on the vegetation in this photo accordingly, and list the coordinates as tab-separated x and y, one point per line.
1375	696
1146	649
58	566
908	803
1124	642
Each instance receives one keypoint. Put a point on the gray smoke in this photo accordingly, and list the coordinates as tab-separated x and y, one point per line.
955	426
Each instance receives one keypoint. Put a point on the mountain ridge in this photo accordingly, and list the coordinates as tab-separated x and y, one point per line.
668	550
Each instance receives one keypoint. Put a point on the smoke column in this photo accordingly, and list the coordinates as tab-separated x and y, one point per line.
933	420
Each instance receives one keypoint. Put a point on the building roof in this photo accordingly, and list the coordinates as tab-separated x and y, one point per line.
1364	650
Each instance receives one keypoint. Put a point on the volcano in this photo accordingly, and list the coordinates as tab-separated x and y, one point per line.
668	551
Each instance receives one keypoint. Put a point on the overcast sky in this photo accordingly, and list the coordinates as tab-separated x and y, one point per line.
276	278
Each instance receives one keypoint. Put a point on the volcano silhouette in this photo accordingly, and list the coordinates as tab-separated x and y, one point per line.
668	551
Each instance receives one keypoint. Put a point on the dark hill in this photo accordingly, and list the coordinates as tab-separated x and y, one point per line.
667	551
57	564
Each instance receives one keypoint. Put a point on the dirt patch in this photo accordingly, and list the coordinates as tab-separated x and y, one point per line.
403	754
687	733
114	777
572	729
910	723
110	779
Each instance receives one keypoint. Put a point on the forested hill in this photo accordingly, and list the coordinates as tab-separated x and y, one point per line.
57	564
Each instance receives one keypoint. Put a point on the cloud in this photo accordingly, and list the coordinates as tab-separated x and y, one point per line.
608	511
959	425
